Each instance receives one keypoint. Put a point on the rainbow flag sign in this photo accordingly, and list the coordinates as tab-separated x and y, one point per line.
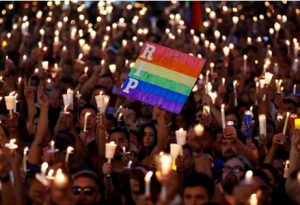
162	77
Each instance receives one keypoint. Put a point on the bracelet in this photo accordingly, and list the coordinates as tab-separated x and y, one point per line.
5	178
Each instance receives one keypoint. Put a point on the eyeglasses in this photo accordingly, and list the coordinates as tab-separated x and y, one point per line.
88	191
236	169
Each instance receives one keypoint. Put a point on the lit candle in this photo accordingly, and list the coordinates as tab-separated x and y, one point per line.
110	149
223	81
286	123
295	65
262	124
248	176
297	123
87	114
11	145
60	179
199	129
213	96
102	102
288	44
112	68
147	182
235	93
235	20
50	174
164	163
223	116
25	151
268	77
286	169
206	110
45	65
69	151
44	168
253	199
10	101
86	69
181	136
245	63
86	49
294	89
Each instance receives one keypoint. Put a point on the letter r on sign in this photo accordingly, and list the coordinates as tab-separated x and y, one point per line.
132	84
148	52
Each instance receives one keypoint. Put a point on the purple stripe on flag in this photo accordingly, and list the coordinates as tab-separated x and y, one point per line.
154	100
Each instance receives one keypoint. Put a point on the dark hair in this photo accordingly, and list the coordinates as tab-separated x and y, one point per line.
142	132
63	139
112	118
88	106
146	151
199	179
120	129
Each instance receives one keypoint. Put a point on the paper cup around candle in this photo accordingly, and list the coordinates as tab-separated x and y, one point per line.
175	150
199	129
181	136
262	124
110	149
60	180
102	102
10	102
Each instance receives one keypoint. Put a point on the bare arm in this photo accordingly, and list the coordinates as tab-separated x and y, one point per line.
34	156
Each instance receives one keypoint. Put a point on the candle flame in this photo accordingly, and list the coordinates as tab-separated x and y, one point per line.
148	176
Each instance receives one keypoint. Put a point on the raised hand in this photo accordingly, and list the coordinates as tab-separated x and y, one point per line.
278	139
43	99
230	133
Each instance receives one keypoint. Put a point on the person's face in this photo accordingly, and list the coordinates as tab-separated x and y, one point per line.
121	141
149	137
91	119
86	191
55	99
193	141
228	148
195	196
233	172
134	185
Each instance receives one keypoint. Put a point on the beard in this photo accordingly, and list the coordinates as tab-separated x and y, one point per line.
229	153
229	182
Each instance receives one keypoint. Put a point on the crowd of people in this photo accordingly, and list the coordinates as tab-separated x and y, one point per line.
241	134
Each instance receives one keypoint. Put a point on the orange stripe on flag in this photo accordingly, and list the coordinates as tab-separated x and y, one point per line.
175	60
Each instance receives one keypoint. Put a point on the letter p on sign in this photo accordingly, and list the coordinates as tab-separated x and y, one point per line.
132	84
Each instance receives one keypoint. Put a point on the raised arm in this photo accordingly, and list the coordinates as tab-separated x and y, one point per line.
162	132
35	152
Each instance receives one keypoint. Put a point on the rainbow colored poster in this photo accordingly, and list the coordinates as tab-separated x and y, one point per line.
162	77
